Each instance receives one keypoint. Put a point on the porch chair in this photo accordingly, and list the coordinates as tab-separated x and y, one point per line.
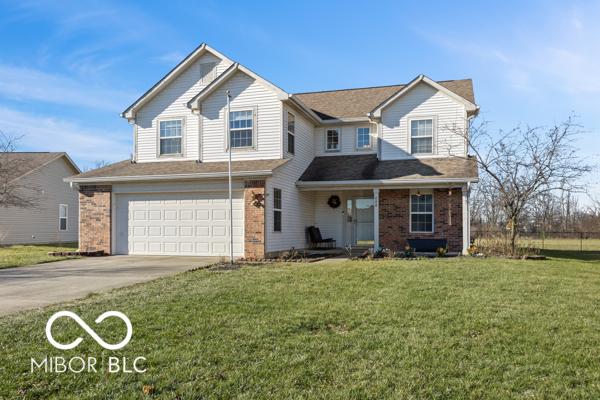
317	241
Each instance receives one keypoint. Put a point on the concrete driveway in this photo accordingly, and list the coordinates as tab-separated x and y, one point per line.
39	285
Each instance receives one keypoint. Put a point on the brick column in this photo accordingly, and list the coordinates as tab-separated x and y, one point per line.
254	219
95	218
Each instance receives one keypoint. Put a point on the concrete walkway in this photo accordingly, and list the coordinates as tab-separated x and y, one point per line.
40	285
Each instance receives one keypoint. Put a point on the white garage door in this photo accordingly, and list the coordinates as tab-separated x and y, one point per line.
179	224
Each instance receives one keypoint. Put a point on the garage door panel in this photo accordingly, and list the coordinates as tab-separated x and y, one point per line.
179	223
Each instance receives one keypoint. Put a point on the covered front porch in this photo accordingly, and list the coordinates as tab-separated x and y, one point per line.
391	217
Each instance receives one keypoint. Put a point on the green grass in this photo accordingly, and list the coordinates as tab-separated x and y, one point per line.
21	255
432	329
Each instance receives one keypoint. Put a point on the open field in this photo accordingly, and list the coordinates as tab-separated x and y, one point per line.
21	255
430	329
570	244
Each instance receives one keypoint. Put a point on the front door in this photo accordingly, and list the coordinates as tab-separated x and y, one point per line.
359	221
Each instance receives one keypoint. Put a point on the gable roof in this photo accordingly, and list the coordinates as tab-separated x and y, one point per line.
23	163
123	171
225	75
172	74
352	169
359	102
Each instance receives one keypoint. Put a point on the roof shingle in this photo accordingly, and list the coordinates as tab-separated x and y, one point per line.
352	103
367	167
16	164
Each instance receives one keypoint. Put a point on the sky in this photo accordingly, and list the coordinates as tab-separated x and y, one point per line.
68	68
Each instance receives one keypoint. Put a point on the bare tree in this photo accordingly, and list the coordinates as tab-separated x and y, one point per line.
13	192
97	164
523	164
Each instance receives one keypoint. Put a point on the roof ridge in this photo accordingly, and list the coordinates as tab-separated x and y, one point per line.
377	87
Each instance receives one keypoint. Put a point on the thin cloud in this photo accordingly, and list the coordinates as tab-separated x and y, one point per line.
27	84
43	133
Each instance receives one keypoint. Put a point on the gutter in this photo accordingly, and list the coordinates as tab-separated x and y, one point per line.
145	178
368	183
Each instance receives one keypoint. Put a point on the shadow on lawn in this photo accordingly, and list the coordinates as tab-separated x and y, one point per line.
588	255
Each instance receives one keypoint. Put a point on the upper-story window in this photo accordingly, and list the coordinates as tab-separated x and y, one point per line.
332	139
363	138
241	129
207	72
170	136
421	136
291	136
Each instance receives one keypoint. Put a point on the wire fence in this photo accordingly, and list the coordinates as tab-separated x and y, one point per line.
571	241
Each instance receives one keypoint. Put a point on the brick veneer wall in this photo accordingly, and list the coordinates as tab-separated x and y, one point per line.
394	218
254	219
95	218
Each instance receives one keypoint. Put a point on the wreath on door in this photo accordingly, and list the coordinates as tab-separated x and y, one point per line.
334	201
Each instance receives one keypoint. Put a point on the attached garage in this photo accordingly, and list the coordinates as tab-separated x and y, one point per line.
178	224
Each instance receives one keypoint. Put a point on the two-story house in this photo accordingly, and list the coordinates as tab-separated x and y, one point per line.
371	166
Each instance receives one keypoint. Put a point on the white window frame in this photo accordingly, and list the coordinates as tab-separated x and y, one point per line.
209	77
279	210
254	128
182	138
339	131
291	133
433	119
370	146
66	218
410	211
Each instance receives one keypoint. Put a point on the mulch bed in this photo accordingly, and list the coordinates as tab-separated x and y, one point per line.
98	253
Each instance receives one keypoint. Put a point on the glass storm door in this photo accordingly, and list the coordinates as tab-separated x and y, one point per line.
359	227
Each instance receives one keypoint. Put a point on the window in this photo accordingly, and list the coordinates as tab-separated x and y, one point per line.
63	215
332	140
421	213
207	72
240	129
421	136
363	138
291	137
170	137
277	210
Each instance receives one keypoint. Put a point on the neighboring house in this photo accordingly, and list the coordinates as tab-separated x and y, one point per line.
54	217
391	155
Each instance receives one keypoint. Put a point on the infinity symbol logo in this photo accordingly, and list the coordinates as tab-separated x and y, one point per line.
89	330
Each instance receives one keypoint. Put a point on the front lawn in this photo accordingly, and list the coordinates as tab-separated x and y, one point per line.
21	255
431	329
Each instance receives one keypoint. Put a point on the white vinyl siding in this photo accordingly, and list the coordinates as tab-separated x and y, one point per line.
246	93
423	101
170	103
348	141
298	206
208	72
42	224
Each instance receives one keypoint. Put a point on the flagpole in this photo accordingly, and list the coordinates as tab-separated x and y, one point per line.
228	137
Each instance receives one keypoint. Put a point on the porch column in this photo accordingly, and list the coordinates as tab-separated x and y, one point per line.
466	219
376	219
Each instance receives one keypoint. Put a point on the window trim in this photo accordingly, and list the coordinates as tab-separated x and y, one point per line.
66	217
339	131
254	129
183	136
410	211
290	133
278	210
370	146
434	125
